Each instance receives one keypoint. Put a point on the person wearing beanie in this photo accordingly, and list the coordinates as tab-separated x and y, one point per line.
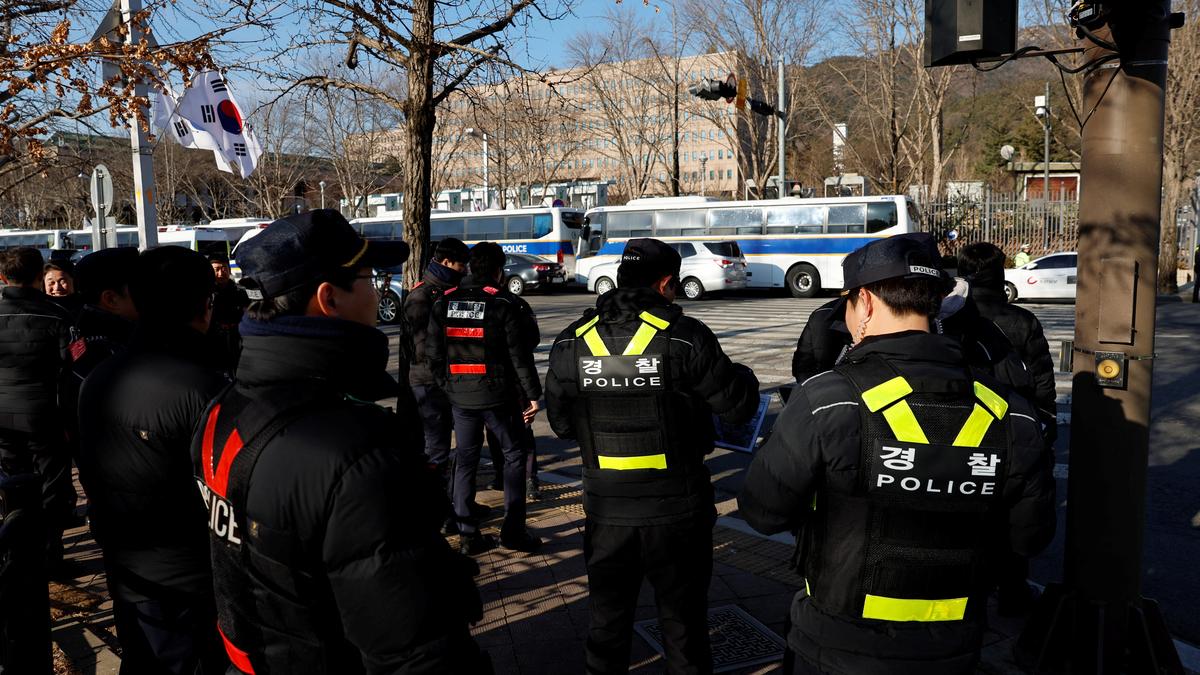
637	383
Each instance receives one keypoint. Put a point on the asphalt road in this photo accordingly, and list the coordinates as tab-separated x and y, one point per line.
760	330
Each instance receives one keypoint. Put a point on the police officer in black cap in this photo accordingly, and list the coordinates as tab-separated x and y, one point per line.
637	383
324	517
906	473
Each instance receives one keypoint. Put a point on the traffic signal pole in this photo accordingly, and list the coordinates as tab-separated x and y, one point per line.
1096	621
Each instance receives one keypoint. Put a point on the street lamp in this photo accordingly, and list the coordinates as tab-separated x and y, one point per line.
1041	109
703	177
322	186
481	134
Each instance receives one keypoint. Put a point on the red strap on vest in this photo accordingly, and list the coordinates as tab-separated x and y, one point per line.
468	369
217	478
239	658
419	284
489	289
458	332
450	290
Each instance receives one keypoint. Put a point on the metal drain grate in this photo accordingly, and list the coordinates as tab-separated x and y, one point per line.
738	639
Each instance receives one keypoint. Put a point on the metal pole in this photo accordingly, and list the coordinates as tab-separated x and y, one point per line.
1097	621
780	111
143	159
1046	154
487	199
703	177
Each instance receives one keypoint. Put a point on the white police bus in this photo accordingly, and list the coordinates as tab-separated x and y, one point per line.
551	232
796	244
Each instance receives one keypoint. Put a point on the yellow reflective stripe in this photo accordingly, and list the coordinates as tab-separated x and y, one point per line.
587	326
976	426
995	402
903	609
904	423
884	394
641	339
594	344
658	323
637	462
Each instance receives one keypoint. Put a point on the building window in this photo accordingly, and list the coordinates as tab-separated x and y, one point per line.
729	173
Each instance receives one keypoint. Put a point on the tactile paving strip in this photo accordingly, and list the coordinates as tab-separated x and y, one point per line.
738	639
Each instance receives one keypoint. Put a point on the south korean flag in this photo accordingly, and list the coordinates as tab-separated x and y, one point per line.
208	106
168	121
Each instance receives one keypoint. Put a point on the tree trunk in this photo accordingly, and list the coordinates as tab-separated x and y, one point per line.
1168	256
419	120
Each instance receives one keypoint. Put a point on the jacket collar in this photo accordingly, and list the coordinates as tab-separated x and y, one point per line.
913	345
472	281
441	276
96	322
622	304
332	353
23	293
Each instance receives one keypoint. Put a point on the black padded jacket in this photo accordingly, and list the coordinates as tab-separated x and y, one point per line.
35	335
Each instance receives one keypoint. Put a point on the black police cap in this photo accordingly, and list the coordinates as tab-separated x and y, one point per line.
304	248
907	256
648	260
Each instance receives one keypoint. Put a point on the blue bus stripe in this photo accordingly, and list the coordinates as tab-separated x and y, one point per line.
534	247
778	246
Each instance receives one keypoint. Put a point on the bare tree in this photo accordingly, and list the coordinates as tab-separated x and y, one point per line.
1181	140
352	129
436	46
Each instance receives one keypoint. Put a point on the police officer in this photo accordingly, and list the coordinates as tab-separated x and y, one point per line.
323	513
479	351
137	411
637	383
906	472
444	272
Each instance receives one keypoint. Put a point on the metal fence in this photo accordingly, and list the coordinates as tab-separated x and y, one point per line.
1008	222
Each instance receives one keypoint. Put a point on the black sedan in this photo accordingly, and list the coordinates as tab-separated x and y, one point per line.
523	272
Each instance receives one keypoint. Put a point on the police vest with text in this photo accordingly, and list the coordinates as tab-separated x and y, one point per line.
471	348
915	539
235	431
633	423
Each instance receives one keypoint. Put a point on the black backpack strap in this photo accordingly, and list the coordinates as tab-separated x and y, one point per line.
280	408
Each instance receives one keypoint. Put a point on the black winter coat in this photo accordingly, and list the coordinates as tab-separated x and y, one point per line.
699	370
350	564
35	335
816	446
508	327
417	308
137	413
1028	339
824	338
99	335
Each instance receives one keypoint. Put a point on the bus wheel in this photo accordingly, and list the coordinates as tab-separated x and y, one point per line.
604	285
803	281
693	289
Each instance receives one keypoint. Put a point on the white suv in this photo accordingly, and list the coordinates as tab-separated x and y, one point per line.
708	266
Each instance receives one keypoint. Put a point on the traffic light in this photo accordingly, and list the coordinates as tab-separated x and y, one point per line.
712	90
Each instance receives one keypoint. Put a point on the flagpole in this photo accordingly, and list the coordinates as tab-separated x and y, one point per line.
142	151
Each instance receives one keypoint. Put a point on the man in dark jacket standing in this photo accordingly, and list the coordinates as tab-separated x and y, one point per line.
229	302
906	474
644	424
137	413
324	516
35	334
477	349
444	272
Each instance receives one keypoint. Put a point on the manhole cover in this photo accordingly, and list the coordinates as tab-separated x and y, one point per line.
738	639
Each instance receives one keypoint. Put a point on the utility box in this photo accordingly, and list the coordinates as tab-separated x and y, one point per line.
961	31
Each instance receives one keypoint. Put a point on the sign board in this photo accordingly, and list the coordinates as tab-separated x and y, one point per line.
743	437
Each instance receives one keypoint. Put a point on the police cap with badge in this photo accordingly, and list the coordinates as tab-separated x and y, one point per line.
307	247
907	256
645	261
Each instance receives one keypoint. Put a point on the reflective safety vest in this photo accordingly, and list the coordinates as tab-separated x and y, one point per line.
630	421
915	539
470	348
